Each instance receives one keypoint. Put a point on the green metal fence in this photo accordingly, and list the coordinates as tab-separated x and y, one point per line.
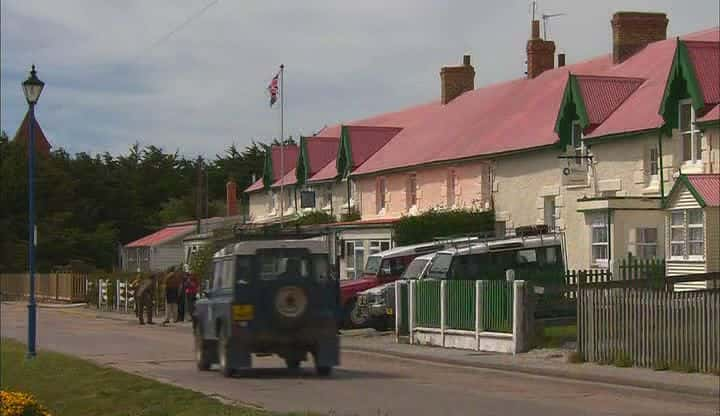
427	303
461	304
497	305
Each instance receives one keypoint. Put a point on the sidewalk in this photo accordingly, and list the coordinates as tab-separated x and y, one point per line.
542	362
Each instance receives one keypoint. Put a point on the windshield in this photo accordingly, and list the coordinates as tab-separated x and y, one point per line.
414	269
440	266
373	265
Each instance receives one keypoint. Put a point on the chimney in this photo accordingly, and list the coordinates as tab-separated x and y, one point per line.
632	31
456	80
540	53
561	60
231	195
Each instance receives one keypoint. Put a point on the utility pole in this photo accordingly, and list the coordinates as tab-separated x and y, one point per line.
198	194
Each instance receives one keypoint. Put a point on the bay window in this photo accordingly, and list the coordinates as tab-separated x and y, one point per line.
687	234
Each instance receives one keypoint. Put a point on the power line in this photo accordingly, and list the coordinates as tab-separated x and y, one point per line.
182	25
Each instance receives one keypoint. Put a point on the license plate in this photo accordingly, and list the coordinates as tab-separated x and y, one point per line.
389	311
242	312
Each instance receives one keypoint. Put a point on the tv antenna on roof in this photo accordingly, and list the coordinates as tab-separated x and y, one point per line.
545	18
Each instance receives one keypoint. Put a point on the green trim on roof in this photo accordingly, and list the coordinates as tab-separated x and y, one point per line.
572	108
708	123
344	156
681	83
302	170
683	180
268	168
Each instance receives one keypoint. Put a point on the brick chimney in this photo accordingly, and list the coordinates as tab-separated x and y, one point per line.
455	80
540	53
632	31
231	195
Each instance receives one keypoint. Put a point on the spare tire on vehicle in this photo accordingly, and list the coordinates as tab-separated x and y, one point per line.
290	304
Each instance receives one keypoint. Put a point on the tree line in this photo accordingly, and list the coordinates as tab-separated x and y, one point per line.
87	206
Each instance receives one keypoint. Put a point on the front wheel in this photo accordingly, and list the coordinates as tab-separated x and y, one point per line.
323	371
356	316
223	358
292	364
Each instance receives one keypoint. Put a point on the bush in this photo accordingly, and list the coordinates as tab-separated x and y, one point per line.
201	261
20	404
434	223
315	217
353	215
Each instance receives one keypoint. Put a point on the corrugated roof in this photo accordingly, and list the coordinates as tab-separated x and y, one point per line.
705	57
521	114
603	95
321	150
712	115
164	235
708	186
290	156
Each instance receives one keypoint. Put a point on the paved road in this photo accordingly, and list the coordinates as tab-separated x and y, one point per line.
366	384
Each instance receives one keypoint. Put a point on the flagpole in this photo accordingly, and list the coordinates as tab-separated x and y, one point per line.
282	145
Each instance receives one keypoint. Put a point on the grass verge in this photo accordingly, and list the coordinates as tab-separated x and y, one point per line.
72	386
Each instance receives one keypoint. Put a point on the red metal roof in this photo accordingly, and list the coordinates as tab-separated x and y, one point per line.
712	115
705	57
42	146
321	150
364	142
159	237
521	114
603	95
708	186
290	155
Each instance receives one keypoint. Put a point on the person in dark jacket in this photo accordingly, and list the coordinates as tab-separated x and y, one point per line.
181	298
172	286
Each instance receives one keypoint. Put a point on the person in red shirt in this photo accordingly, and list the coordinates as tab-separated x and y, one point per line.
191	289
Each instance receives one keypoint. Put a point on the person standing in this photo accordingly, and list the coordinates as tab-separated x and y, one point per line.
144	298
181	297
171	297
191	289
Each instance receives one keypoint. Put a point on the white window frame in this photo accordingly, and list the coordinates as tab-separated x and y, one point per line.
599	220
451	188
578	149
686	226
411	191
695	135
643	243
352	271
653	164
376	246
549	204
381	197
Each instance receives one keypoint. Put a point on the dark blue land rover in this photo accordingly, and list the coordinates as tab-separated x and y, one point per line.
269	297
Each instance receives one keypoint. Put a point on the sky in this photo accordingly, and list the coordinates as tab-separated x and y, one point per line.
191	75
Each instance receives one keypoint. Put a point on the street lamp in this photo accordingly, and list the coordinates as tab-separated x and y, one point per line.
32	87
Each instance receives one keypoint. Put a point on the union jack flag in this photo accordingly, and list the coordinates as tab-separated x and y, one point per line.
273	89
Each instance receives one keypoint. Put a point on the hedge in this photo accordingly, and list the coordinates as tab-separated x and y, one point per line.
434	224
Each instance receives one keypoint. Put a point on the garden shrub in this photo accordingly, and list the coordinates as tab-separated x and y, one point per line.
435	223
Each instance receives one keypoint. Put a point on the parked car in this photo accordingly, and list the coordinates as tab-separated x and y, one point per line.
379	302
269	297
381	268
533	257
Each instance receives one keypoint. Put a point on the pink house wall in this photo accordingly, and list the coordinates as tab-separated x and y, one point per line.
472	190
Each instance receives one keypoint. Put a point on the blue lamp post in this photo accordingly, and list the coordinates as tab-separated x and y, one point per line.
32	87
